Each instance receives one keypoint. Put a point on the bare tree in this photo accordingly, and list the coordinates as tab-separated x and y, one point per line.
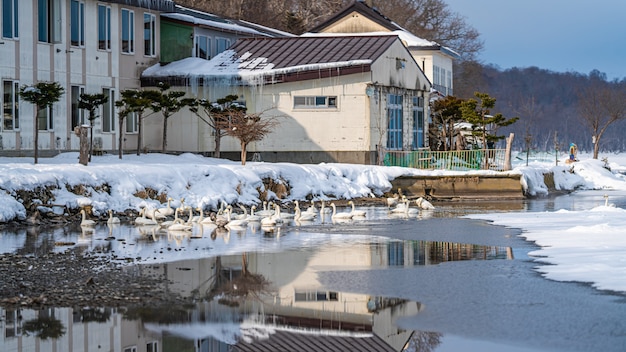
91	102
215	114
247	128
600	105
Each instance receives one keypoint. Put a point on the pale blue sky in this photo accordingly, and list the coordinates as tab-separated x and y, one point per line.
558	35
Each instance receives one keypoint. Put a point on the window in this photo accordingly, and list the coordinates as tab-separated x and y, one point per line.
313	296
394	117
104	27
108	111
10	106
418	123
149	34
395	253
203	47
78	115
130	349
222	45
152	347
77	23
9	18
314	102
49	22
128	31
132	123
45	118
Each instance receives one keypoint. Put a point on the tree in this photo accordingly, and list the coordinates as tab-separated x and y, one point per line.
216	113
43	95
600	105
446	112
137	102
246	128
91	102
169	104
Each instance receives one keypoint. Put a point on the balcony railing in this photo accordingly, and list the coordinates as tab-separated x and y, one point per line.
457	160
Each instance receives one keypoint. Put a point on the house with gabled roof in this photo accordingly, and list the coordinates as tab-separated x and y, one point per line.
338	98
436	60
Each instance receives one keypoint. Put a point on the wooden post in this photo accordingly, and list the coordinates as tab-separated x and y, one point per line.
507	153
81	132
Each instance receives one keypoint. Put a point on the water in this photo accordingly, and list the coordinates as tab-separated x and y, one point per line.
428	283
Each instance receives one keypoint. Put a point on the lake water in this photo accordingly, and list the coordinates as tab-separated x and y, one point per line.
432	282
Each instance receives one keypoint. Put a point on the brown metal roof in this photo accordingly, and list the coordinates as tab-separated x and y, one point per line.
290	341
298	51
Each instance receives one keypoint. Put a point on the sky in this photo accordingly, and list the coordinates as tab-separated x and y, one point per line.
557	35
577	245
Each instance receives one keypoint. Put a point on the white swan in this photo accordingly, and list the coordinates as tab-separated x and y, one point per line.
167	211
144	221
312	208
357	213
86	222
324	209
112	219
424	204
306	216
400	208
340	215
253	217
234	222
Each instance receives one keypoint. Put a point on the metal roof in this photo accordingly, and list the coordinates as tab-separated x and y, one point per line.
300	51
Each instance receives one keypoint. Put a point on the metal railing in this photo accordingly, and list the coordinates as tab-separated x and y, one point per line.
457	160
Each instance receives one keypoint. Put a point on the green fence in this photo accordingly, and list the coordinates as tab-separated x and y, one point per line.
459	160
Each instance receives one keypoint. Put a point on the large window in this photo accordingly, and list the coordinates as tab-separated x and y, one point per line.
9	18
394	121
132	123
314	102
77	23
149	34
315	296
10	106
104	27
418	122
222	45
78	115
128	31
108	111
49	21
203	47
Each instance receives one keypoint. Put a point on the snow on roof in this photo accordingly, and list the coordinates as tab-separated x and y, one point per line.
233	27
408	38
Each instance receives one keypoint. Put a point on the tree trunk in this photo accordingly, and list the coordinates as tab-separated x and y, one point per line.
243	153
596	148
507	153
140	122
218	139
90	138
121	137
83	156
164	144
36	150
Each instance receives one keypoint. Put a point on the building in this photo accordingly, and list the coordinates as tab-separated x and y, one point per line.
338	98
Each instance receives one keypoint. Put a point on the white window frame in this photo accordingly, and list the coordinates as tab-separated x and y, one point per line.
132	123
49	17
104	27
108	111
10	101
149	34
10	19
77	23
315	102
127	19
221	45
418	115
199	39
46	114
77	115
152	346
395	121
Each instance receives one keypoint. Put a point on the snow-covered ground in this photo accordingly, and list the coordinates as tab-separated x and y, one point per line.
586	246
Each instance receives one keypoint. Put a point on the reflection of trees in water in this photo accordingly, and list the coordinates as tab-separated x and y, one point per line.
44	327
423	341
234	287
165	314
99	315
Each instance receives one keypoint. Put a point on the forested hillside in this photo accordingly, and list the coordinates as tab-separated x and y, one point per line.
548	103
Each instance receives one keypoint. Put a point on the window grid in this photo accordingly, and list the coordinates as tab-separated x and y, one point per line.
222	45
108	111
203	47
132	123
78	115
315	102
45	119
418	123
395	125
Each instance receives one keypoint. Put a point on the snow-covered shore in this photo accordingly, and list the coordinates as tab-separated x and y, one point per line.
120	184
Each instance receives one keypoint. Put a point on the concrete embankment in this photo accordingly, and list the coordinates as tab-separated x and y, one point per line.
504	186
